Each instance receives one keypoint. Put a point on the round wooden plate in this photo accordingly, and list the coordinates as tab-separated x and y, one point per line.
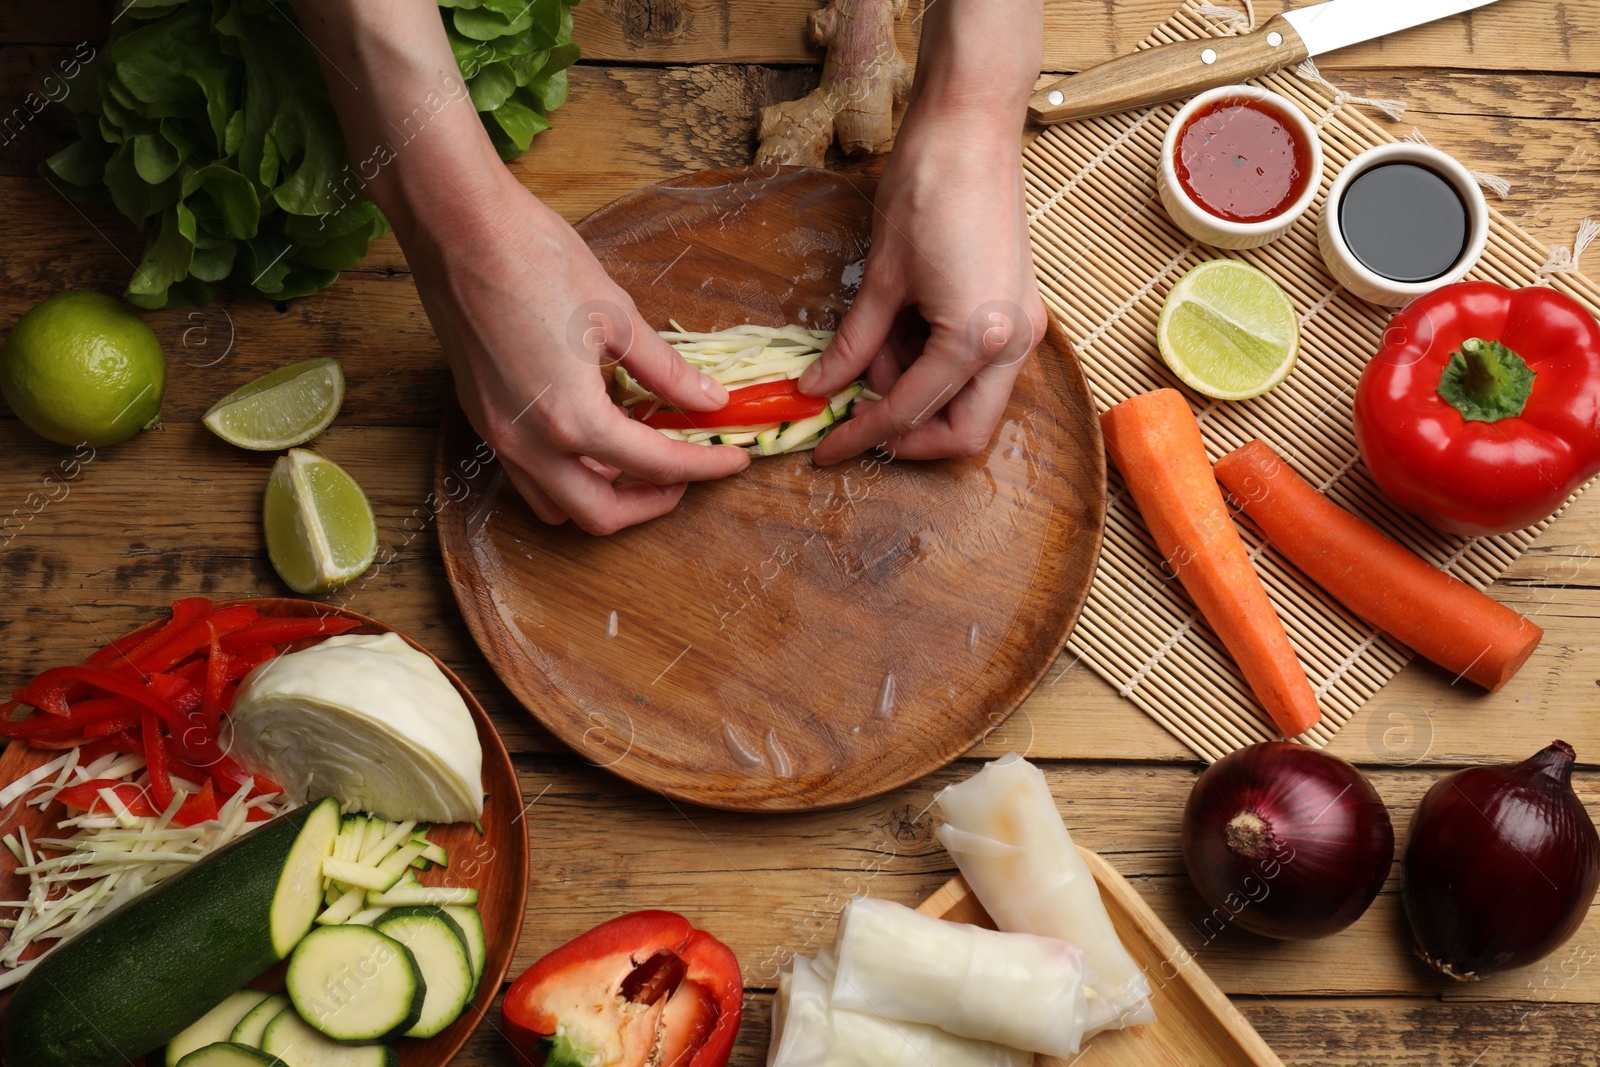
495	862
793	637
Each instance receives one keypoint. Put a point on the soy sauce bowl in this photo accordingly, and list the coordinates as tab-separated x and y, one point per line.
1201	224
1348	270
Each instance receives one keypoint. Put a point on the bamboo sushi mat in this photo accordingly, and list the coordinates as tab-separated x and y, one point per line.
1107	254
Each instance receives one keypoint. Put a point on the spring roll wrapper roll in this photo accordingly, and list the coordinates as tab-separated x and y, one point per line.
807	1031
1012	989
1006	834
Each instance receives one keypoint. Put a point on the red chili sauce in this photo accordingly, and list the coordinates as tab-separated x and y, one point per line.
1242	160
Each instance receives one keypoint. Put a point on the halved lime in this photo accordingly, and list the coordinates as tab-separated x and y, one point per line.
284	408
1229	331
320	528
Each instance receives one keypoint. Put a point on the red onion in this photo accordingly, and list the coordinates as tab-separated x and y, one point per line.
1501	866
1286	841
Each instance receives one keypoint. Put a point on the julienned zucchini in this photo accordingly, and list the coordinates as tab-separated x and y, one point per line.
158	963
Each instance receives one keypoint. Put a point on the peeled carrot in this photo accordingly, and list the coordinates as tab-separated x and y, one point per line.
1441	617
1155	441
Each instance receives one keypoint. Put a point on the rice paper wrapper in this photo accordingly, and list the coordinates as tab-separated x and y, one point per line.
1006	835
1011	989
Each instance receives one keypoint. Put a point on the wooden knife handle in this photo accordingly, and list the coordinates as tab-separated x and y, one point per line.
1169	71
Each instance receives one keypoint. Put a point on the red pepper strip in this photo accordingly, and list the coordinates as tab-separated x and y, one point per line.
104	746
46	692
198	808
751	406
193	671
155	759
184	695
244	663
184	613
85	796
194	637
128	721
216	674
82	714
49	744
647	981
282	631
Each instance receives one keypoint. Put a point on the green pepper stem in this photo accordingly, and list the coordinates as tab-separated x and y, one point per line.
1486	381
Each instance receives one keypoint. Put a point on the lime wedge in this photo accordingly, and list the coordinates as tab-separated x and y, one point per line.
1229	331
287	407
320	529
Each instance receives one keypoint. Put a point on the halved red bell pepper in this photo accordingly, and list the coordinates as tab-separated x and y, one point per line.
754	405
645	988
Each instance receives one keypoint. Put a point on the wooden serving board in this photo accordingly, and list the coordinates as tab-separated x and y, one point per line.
793	637
495	862
1196	1025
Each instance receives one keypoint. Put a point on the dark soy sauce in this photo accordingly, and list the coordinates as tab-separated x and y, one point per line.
1404	222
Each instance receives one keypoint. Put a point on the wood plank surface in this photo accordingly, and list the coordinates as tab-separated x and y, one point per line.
671	86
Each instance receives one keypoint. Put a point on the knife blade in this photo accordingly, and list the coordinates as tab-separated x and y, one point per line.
1168	72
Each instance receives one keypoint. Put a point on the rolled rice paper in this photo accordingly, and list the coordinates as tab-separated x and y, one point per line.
1019	990
807	1031
1006	834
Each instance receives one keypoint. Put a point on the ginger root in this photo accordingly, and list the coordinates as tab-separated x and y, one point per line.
863	77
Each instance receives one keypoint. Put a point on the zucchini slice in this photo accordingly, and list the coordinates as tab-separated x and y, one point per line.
226	1054
471	924
164	959
297	1044
248	1032
440	949
800	429
353	983
215	1025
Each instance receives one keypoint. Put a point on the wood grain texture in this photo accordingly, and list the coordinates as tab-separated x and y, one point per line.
1195	1025
794	637
494	861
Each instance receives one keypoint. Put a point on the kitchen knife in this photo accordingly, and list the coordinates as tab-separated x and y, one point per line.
1169	71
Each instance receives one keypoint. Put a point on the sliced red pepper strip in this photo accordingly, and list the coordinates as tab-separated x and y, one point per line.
155	759
47	691
647	981
85	713
281	631
244	663
85	796
198	808
216	675
780	401
104	746
184	613
194	637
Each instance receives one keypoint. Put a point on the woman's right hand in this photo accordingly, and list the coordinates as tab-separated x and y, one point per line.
532	324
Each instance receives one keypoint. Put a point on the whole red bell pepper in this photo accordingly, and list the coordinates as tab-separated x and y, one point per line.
1481	412
644	988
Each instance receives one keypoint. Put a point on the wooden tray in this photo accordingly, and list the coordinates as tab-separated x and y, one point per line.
496	864
1196	1025
793	637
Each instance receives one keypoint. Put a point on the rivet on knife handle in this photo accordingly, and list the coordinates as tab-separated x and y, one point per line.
1168	72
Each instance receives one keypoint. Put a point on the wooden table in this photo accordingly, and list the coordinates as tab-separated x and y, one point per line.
671	86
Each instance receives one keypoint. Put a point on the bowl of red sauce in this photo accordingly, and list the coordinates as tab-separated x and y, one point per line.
1239	166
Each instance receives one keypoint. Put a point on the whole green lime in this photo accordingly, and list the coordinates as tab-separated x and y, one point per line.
83	368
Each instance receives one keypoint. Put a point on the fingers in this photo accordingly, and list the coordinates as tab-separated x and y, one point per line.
966	425
862	333
536	497
664	372
926	386
597	506
884	371
634	448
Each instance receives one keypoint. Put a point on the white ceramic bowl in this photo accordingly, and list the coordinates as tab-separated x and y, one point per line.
1201	224
1349	272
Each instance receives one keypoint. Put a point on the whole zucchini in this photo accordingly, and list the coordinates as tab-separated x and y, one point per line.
137	977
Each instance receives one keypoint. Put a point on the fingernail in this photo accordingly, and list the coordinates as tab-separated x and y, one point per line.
808	379
713	390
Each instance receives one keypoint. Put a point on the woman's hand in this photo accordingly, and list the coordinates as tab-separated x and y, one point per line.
949	307
532	324
529	319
